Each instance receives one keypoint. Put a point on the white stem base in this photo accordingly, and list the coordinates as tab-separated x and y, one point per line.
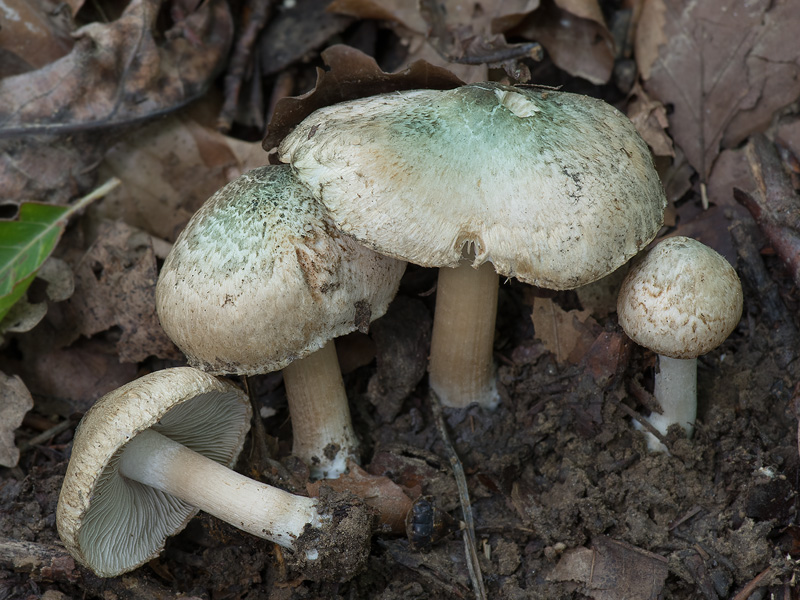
676	392
462	364
321	425
262	510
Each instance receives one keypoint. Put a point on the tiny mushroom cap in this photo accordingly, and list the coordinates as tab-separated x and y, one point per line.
261	277
681	300
112	524
554	189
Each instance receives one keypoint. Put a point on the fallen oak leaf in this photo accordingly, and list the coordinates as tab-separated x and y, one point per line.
352	74
119	72
15	401
725	71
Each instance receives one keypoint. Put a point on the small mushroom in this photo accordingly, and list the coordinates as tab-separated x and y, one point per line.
552	188
261	280
681	300
147	456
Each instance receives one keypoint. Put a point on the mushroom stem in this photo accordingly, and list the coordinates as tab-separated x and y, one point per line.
461	363
676	391
262	510
323	432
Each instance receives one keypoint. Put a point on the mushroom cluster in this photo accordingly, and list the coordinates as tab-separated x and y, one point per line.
482	181
555	189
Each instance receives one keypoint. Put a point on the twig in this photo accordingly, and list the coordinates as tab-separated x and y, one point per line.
773	309
470	542
258	15
642	421
44	436
748	590
775	205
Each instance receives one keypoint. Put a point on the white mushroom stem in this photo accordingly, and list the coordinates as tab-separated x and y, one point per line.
461	363
321	426
675	390
262	510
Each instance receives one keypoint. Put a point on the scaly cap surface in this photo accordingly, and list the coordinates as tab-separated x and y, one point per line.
555	189
260	277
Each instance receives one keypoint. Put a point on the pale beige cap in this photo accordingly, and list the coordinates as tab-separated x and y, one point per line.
261	277
681	300
555	189
112	524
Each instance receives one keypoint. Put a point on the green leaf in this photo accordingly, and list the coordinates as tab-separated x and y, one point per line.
26	242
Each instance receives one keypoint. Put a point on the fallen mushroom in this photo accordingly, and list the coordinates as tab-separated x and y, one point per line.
552	188
681	300
147	456
261	280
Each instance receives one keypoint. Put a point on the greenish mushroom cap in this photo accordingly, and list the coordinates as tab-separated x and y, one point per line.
555	189
261	276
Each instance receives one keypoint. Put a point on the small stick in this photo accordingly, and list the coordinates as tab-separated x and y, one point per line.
44	436
463	494
748	590
259	13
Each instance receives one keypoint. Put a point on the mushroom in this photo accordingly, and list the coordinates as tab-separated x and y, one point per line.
681	300
552	188
147	456
261	280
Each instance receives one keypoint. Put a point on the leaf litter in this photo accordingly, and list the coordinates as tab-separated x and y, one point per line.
567	501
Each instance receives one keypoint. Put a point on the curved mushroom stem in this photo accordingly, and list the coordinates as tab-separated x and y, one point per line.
262	510
321	425
461	364
676	391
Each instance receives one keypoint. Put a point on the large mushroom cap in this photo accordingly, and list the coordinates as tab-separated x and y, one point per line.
112	524
555	189
681	300
260	277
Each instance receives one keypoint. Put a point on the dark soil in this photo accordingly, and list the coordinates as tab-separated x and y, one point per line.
557	467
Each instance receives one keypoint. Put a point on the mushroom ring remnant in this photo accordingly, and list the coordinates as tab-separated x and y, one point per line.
552	188
147	456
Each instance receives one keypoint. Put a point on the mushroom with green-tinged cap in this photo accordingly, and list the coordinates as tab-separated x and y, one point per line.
681	300
147	456
261	280
552	188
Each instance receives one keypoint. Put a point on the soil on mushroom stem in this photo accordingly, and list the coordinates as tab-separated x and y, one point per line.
555	467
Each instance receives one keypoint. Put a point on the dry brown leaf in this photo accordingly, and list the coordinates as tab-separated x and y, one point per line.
460	32
120	72
168	170
650	118
403	12
15	401
567	334
613	570
25	315
296	31
115	287
379	492
578	42
33	35
49	169
351	74
725	69
69	380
